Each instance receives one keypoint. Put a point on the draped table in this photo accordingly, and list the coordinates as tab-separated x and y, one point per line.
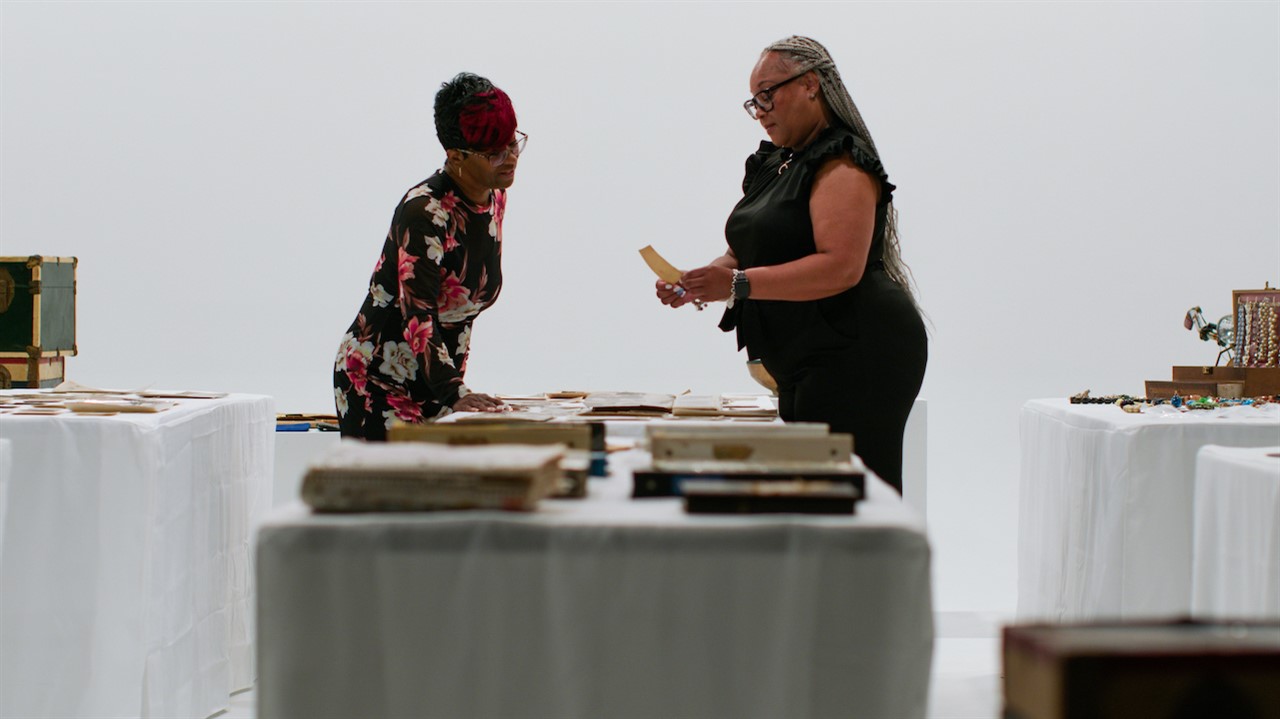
126	576
1106	498
1236	537
603	606
6	464
295	450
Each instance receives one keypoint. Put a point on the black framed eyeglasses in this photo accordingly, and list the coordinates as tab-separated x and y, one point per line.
497	158
763	101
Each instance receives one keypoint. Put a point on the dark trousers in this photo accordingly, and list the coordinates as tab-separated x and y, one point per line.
861	395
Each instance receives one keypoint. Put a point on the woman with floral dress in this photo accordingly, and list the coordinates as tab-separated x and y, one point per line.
405	354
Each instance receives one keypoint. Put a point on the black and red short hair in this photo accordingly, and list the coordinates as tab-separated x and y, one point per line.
472	114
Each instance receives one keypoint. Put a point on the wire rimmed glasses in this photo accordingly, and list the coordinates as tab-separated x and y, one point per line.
500	156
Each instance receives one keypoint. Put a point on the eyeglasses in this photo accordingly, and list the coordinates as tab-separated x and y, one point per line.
763	101
497	158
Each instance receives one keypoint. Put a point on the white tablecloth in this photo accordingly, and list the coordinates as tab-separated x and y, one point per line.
1106	505
1236	541
6	465
601	607
127	579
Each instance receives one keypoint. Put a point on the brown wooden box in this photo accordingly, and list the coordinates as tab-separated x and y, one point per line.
1164	389
1157	670
1257	381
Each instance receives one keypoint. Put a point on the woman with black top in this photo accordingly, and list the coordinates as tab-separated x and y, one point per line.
404	355
815	284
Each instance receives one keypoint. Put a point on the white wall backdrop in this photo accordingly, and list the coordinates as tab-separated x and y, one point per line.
1072	177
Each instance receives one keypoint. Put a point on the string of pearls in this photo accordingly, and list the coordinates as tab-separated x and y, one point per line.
1256	342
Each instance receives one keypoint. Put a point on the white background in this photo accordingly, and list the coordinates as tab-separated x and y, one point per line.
1072	177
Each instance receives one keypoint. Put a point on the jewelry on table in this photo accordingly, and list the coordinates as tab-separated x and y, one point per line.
1134	405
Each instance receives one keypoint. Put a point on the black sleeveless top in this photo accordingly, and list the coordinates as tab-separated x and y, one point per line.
770	225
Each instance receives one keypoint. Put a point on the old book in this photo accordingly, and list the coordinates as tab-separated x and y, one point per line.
418	476
575	435
586	438
760	447
628	403
696	405
719	405
736	497
747	405
669	483
734	429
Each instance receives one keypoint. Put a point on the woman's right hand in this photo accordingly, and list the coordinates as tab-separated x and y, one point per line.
476	402
712	283
670	295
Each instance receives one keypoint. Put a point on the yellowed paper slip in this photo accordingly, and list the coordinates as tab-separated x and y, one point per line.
663	269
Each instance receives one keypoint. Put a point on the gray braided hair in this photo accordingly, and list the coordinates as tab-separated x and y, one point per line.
802	54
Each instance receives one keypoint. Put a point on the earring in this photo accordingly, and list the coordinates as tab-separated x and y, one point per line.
813	96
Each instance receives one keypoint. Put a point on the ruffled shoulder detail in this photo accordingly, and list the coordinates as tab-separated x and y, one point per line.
840	141
756	161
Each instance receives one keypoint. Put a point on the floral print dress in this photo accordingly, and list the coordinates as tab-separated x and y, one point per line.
404	356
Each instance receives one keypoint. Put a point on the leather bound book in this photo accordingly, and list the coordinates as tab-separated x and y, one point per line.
740	497
668	482
417	476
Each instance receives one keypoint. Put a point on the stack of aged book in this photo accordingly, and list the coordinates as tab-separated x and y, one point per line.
583	442
798	467
418	476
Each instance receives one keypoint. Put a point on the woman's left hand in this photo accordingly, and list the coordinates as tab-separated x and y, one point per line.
708	284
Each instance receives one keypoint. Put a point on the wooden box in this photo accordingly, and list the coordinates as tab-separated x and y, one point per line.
1256	381
1156	670
31	372
37	306
1256	327
1164	389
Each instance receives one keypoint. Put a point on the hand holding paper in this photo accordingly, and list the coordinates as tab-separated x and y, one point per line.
668	274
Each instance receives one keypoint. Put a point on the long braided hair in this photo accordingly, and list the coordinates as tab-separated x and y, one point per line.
802	54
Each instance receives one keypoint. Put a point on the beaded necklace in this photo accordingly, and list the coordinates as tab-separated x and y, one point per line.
1269	348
